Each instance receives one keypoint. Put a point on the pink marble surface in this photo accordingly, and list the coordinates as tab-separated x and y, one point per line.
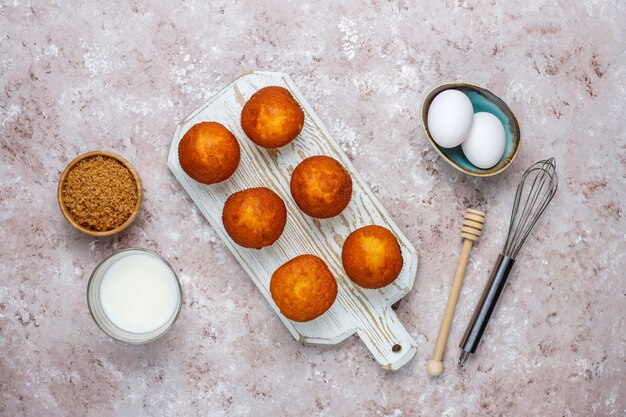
79	77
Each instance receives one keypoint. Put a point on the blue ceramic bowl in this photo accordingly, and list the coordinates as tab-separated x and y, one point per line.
482	100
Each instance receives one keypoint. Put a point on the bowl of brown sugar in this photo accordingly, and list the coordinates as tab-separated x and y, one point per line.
100	193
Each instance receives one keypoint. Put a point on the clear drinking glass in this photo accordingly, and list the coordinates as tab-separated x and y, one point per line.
97	312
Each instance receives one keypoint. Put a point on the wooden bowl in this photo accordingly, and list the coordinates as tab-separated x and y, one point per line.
66	212
483	101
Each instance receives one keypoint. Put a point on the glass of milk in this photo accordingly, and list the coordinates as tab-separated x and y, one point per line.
134	296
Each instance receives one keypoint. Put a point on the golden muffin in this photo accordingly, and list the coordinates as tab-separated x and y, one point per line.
371	257
254	218
303	288
321	187
272	117
209	153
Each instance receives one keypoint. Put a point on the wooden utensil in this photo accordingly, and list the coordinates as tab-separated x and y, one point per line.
473	222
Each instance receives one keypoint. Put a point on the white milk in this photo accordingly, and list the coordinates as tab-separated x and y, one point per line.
139	293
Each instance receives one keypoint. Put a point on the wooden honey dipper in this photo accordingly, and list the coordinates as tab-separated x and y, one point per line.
473	222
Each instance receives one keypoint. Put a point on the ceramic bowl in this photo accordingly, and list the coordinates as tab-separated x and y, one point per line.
68	215
483	101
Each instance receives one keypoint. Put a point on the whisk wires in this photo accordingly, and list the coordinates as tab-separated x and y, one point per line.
535	190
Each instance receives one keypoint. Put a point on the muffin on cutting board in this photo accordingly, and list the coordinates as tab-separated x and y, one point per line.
321	187
255	217
371	257
272	117
209	153
303	288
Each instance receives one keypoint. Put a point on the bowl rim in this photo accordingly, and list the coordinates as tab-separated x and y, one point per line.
66	212
455	165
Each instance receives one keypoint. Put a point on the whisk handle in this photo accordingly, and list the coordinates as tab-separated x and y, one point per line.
485	307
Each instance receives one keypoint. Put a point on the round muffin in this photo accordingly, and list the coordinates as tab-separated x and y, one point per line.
321	187
209	153
303	288
371	257
254	218
272	117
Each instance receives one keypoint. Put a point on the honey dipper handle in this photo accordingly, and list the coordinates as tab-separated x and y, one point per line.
454	296
473	222
435	366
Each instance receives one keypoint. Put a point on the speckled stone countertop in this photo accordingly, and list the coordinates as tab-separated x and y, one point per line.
119	77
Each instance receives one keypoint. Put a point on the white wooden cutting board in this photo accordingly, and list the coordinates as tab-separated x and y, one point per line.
366	312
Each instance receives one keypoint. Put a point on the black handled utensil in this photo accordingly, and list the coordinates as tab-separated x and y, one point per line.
534	193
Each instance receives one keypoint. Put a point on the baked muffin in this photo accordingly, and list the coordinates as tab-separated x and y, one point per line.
371	257
303	288
272	117
209	153
254	218
321	187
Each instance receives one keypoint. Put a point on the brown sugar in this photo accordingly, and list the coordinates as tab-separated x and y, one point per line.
100	193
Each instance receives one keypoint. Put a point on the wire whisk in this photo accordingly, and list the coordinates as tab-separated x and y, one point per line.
534	192
536	196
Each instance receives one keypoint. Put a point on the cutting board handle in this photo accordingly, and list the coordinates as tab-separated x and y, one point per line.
388	340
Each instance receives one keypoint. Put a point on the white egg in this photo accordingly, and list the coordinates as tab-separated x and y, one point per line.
485	142
450	118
